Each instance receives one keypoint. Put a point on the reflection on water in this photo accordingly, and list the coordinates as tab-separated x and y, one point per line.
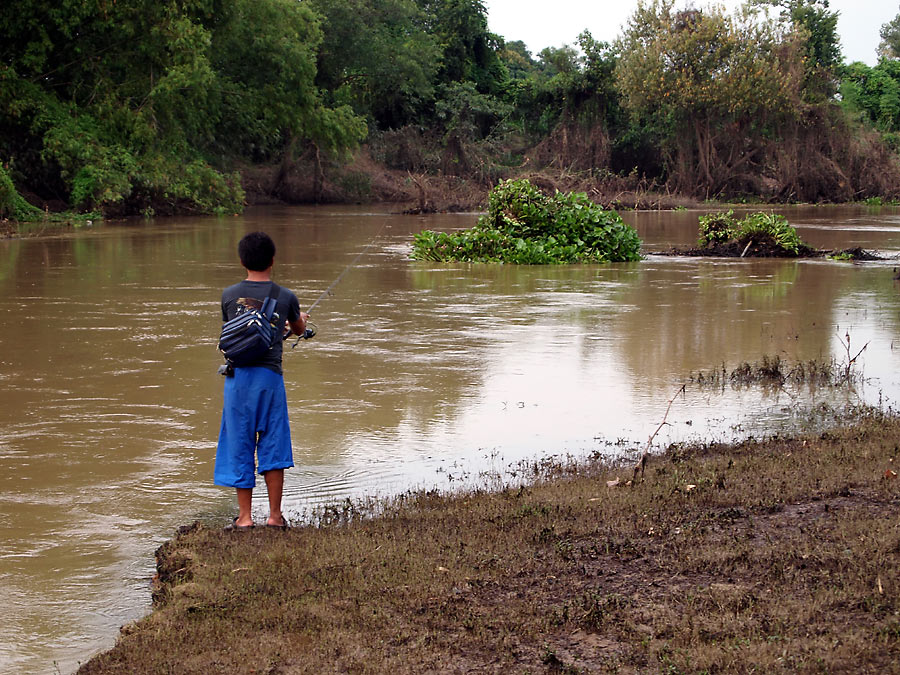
421	375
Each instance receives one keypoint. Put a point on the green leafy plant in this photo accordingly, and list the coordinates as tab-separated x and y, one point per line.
717	228
12	204
723	228
524	226
774	226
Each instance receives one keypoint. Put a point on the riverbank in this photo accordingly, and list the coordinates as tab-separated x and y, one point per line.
364	181
781	553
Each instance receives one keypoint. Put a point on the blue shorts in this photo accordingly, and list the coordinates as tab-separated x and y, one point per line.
254	422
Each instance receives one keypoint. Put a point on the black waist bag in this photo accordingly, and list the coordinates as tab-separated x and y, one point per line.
248	336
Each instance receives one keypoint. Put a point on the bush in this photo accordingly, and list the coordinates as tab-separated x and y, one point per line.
717	228
527	227
12	204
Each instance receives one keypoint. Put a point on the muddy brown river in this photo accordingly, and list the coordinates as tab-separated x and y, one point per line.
421	376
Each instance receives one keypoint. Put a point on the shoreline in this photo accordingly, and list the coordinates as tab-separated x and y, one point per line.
412	194
780	553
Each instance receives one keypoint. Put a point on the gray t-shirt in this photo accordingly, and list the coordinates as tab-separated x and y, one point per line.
251	294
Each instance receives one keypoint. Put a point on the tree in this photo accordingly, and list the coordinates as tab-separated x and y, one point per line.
816	27
874	92
517	59
572	105
377	57
90	91
125	105
469	52
889	48
710	87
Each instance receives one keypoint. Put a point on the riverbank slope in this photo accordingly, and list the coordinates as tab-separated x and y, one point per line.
781	553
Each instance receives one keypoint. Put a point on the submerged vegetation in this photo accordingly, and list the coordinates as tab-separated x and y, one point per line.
778	553
525	226
200	106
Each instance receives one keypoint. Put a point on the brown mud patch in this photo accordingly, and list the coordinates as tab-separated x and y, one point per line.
776	556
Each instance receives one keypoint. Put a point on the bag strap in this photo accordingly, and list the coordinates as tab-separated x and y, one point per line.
270	302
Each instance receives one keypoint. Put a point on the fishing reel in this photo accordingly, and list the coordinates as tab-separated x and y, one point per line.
310	332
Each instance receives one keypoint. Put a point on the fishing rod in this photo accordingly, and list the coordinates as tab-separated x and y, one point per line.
311	332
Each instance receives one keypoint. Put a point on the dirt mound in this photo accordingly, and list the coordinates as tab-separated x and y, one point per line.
766	247
749	247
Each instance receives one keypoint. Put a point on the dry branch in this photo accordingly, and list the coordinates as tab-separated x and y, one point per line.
642	463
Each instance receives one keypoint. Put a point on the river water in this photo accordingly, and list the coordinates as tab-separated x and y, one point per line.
422	375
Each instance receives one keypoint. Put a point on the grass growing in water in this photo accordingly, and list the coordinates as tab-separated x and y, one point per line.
779	553
773	370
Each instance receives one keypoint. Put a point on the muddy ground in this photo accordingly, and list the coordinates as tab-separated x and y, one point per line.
763	556
766	247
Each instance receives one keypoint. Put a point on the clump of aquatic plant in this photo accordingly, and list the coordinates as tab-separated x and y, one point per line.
772	225
717	228
525	226
760	228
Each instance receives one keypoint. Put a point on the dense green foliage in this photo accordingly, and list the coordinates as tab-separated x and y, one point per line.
134	106
711	88
874	92
720	228
12	205
890	39
525	226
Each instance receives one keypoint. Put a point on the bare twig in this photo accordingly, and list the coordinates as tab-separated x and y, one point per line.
642	463
423	200
845	343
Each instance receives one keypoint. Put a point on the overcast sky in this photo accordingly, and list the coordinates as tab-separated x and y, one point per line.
553	23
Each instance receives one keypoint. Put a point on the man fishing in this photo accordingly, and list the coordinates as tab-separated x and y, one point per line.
255	432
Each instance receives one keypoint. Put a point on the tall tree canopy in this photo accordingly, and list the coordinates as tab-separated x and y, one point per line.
125	103
706	83
815	25
889	47
378	57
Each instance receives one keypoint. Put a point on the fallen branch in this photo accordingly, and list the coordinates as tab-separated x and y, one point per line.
642	463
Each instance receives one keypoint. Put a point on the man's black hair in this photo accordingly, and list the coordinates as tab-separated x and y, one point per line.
257	251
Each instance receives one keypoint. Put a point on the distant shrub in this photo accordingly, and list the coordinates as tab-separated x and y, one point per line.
12	204
717	228
525	226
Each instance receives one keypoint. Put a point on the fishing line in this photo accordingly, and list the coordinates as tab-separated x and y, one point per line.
311	332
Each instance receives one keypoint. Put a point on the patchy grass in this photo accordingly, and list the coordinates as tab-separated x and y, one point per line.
773	556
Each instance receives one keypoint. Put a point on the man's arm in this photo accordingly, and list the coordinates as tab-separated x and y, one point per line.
297	327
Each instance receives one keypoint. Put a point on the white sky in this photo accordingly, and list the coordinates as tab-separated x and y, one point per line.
554	23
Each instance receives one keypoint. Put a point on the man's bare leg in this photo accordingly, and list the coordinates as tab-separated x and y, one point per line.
275	486
245	503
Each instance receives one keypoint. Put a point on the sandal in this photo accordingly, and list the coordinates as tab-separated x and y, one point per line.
234	527
284	524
